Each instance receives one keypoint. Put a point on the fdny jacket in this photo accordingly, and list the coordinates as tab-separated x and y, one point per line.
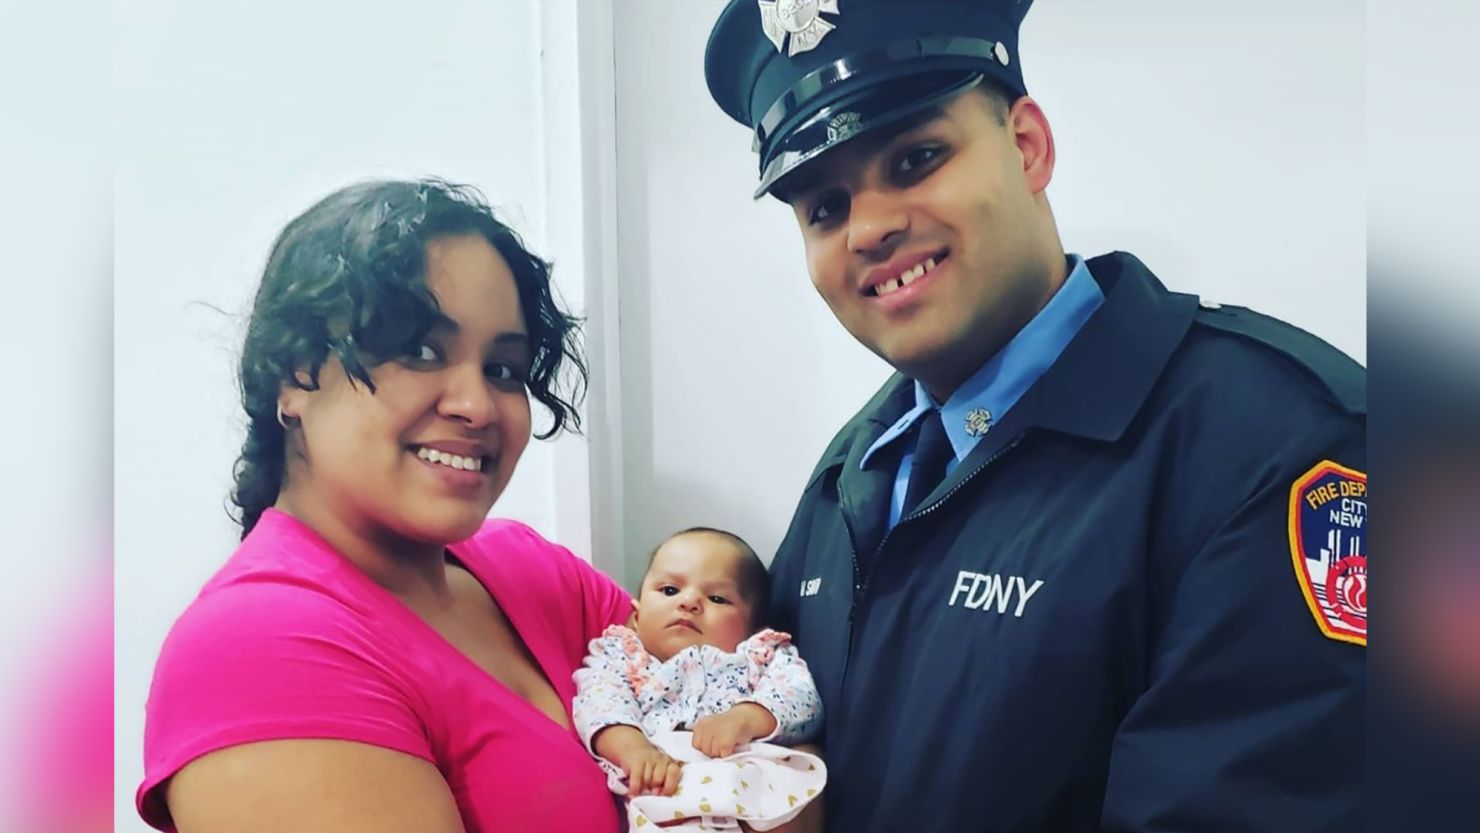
1099	620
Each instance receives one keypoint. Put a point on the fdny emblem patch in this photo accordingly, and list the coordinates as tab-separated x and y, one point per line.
1328	529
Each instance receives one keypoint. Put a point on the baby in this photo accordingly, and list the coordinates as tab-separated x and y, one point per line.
697	661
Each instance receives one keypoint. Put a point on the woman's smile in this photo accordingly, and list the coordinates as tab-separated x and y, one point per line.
460	472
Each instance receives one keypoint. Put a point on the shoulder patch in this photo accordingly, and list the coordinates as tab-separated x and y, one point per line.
1338	373
1328	525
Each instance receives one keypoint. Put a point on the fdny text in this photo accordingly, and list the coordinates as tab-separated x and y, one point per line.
986	591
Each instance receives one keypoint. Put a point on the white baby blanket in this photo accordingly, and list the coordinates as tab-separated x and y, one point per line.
761	784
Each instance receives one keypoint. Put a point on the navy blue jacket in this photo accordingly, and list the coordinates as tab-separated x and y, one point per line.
1094	623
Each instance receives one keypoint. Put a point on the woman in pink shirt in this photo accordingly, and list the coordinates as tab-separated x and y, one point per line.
376	656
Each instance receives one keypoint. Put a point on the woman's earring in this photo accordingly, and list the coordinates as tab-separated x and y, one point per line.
283	418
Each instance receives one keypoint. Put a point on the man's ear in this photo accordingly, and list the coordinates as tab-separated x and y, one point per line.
1034	139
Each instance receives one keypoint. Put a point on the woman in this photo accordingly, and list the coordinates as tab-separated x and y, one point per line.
375	656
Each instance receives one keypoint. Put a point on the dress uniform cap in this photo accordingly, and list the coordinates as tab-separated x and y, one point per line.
808	75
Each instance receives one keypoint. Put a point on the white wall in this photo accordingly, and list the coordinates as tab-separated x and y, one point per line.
231	119
1220	142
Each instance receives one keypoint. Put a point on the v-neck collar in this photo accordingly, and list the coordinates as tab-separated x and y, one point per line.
458	555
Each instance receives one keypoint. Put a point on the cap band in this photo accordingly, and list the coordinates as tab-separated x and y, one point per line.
827	76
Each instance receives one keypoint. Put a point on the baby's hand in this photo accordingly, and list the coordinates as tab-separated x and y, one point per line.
718	735
650	770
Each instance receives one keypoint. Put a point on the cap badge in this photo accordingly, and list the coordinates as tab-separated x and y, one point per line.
800	20
842	126
1000	53
978	422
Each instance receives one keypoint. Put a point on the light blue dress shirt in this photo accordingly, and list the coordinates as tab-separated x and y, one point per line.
1002	381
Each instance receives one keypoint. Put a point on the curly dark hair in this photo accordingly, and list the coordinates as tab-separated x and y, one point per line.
348	278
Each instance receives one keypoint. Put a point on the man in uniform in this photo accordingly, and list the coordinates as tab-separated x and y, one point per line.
1093	559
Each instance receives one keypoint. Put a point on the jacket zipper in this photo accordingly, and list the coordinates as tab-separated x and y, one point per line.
860	582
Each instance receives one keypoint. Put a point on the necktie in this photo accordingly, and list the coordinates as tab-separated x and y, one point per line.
932	452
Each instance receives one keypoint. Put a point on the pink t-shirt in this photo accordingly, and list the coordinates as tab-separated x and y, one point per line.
290	640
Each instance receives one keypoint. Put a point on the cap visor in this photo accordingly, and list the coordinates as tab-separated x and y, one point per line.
874	108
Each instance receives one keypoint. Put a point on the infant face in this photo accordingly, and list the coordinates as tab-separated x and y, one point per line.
691	595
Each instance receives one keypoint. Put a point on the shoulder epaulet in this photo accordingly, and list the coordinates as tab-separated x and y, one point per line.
1341	376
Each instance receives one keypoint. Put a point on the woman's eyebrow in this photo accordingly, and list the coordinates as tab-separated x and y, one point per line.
442	323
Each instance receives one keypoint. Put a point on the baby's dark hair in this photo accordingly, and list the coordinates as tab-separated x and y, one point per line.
755	581
346	280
